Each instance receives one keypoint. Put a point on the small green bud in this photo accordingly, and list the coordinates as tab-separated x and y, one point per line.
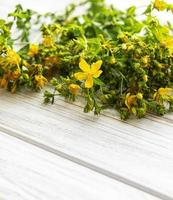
58	87
54	81
134	110
141	112
112	60
139	95
21	78
26	76
124	46
145	78
137	65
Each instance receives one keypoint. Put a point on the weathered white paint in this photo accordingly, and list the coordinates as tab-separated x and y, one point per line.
138	154
30	173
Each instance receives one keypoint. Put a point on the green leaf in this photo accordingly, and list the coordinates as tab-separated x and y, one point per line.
99	82
148	10
131	11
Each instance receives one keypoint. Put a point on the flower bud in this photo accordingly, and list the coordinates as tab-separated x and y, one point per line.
145	78
59	87
134	110
139	95
26	76
124	46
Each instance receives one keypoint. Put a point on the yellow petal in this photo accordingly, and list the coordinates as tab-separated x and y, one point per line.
96	66
126	103
155	95
84	66
165	91
3	83
130	100
74	88
89	82
80	76
97	74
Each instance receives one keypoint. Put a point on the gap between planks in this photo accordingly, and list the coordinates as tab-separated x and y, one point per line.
89	165
30	173
147	191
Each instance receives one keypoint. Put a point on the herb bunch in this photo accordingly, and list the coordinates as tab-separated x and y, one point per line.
105	55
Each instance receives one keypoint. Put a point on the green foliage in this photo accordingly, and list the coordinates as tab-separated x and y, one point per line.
22	19
137	58
5	36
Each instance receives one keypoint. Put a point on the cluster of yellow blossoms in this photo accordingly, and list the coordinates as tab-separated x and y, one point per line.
48	41
33	50
131	100
11	64
163	94
161	5
129	68
13	75
11	59
41	81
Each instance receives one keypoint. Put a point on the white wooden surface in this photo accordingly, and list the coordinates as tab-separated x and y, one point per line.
127	152
28	172
58	152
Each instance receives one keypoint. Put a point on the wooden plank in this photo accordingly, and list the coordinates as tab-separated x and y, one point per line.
149	141
158	125
120	150
28	172
169	117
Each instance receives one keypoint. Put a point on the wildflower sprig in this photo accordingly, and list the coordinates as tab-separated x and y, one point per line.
106	56
89	72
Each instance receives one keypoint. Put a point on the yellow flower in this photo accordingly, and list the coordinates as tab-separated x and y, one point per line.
41	81
130	100
48	41
145	78
163	92
146	60
26	64
89	72
12	57
38	66
15	74
171	8
74	88
139	95
33	50
168	43
160	5
51	60
9	76
3	82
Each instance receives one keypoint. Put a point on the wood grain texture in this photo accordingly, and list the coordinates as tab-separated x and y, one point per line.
138	153
30	173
